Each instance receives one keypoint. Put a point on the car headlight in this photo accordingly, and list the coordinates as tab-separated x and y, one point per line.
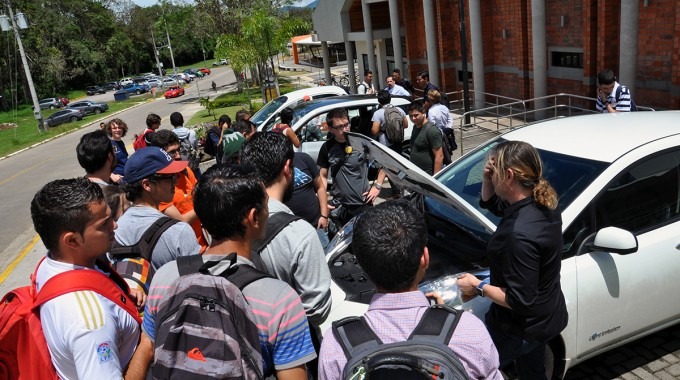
342	239
448	289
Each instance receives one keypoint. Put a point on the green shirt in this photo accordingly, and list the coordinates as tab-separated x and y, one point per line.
422	145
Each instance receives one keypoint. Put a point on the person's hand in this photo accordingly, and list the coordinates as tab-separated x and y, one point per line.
489	169
370	195
323	223
467	284
602	95
139	298
437	297
116	178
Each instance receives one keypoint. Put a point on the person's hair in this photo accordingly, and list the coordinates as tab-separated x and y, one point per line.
396	71
434	96
240	114
389	240
242	126
93	150
162	138
118	122
336	113
176	119
267	153
286	115
224	119
63	206
367	72
525	162
384	97
116	199
133	191
223	197
417	106
152	119
425	75
606	76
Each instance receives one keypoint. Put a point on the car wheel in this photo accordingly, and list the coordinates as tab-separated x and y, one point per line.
97	111
138	92
73	118
51	107
554	365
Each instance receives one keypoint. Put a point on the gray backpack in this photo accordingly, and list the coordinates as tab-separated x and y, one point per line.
394	127
425	355
189	153
206	328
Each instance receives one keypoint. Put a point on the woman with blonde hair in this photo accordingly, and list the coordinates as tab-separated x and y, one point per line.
528	308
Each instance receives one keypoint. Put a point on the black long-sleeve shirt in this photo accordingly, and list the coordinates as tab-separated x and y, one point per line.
525	254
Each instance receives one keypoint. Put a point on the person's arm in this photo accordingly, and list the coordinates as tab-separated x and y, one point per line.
405	122
375	128
292	137
312	276
295	373
488	189
322	195
438	159
141	360
188	217
468	283
375	190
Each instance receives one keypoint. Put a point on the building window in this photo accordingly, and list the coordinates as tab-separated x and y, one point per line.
567	59
460	76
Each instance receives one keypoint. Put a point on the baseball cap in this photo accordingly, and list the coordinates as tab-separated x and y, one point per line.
306	98
151	160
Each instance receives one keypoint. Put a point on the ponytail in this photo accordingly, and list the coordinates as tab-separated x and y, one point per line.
545	195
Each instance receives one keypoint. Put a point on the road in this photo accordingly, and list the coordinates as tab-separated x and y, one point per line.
23	174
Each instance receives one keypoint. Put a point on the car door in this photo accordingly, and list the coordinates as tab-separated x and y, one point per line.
621	296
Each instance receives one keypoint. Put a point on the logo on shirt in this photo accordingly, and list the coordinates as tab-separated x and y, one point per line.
104	352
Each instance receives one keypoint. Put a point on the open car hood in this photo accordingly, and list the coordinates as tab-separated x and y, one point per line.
408	176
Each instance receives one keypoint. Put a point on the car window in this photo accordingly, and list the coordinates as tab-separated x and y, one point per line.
268	109
315	129
644	196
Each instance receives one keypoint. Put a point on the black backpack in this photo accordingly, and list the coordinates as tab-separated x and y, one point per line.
446	149
206	328
209	147
424	355
133	262
277	222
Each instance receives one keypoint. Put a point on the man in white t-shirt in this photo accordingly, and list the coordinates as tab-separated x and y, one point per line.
366	87
88	336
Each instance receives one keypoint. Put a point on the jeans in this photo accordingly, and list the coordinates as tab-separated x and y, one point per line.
529	357
323	237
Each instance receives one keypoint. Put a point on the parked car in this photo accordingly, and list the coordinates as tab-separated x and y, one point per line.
309	118
169	82
64	116
93	90
134	88
110	86
173	92
205	70
89	107
617	177
50	103
220	62
125	81
292	99
183	76
154	83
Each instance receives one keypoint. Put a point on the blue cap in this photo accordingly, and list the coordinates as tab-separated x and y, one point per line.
151	160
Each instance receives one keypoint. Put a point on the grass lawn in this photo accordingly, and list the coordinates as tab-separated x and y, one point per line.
19	129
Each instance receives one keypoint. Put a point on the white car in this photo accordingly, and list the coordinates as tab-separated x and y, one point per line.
169	82
125	81
154	83
271	110
309	118
618	181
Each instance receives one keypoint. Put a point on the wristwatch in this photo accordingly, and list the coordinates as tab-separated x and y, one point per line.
480	288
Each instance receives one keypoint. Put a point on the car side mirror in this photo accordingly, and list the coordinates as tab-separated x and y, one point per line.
614	240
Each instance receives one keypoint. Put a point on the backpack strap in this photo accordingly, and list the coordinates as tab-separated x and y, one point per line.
245	274
92	280
239	275
276	223
437	324
146	244
354	334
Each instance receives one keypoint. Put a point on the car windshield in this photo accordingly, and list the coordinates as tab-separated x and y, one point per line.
268	109
569	176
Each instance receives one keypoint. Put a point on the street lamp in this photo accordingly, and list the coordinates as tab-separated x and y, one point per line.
16	23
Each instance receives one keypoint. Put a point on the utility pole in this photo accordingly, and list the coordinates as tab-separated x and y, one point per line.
172	57
155	53
23	22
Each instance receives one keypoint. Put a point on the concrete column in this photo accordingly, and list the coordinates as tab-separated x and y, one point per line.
368	30
539	55
396	37
350	65
326	63
630	11
477	52
431	42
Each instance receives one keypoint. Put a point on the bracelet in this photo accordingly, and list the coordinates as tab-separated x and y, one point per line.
377	185
323	216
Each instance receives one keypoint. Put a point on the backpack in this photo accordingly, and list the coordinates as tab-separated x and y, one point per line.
206	328
189	153
425	355
209	147
140	140
276	223
24	354
446	149
617	96
133	262
394	125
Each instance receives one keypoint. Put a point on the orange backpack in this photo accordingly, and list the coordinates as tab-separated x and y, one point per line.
23	349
